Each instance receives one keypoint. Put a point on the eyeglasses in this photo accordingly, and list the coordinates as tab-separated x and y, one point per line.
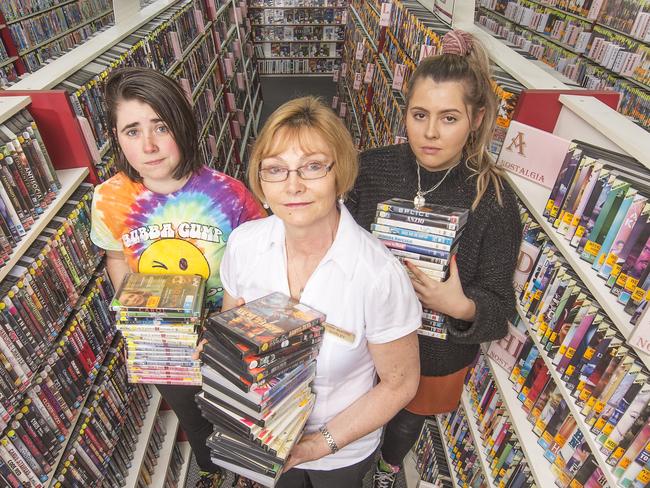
309	171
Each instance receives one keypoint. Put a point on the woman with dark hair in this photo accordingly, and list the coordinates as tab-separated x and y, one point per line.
165	211
450	114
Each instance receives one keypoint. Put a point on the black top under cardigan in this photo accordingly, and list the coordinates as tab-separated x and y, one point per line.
487	252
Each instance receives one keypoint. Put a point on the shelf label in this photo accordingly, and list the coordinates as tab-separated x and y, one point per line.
335	102
198	15
358	55
343	109
344	68
384	19
358	77
335	76
370	72
344	17
398	76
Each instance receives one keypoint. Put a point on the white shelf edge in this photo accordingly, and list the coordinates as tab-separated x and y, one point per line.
186	452
527	439
476	437
450	465
70	179
410	473
59	69
595	448
170	420
143	439
10	106
534	197
622	131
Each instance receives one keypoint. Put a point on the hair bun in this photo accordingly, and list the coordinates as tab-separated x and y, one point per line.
457	42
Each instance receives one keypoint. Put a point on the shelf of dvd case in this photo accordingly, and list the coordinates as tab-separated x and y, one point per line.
301	7
68	31
170	421
73	423
560	11
360	23
143	440
70	180
189	48
300	57
353	109
296	25
186	452
539	466
58	70
294	41
622	33
535	197
560	44
452	471
595	448
476	437
38	12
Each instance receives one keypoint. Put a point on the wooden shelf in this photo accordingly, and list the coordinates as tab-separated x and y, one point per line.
539	466
595	448
170	421
476	438
534	197
143	439
186	452
10	106
70	179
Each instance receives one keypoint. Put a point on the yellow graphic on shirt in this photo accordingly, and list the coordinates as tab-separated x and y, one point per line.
173	256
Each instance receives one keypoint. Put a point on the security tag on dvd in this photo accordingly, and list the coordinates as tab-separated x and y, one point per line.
338	332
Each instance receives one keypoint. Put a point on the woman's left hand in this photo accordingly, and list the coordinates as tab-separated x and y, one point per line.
311	447
446	297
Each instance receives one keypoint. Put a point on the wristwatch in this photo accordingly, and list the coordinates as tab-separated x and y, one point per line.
329	439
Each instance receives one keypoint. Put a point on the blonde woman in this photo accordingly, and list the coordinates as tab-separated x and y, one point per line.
449	119
303	162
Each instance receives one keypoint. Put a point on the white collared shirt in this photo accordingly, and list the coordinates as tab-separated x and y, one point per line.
359	285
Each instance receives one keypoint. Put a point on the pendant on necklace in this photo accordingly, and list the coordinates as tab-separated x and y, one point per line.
419	200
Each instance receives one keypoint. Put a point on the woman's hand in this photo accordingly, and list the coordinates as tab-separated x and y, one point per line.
446	297
311	447
228	303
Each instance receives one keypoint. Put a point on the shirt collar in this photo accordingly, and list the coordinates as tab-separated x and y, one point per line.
343	251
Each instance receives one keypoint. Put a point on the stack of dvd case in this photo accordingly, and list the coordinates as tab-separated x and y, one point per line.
426	236
259	362
160	316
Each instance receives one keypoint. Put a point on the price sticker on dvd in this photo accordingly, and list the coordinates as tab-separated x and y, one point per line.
384	19
357	81
398	76
370	72
358	55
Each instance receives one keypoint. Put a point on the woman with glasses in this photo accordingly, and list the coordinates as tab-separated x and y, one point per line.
302	165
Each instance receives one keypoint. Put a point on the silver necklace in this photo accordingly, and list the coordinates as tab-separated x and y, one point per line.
419	200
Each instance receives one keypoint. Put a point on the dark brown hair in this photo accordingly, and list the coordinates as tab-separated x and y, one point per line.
170	103
472	70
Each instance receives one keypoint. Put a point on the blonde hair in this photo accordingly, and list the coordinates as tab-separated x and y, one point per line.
469	66
299	121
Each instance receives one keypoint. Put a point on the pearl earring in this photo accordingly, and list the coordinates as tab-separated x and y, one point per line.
265	205
341	200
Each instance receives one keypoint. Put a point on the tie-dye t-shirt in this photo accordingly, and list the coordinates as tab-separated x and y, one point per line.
182	232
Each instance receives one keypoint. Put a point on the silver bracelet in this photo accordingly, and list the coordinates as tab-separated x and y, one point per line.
329	439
